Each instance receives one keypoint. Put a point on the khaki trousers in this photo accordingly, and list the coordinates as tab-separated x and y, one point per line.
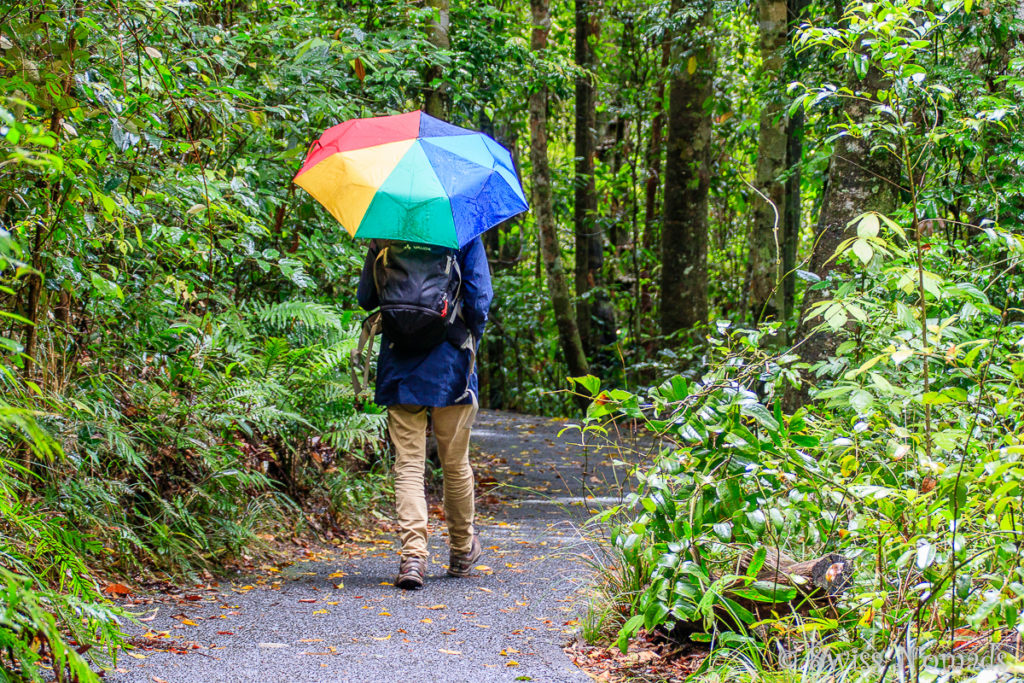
408	428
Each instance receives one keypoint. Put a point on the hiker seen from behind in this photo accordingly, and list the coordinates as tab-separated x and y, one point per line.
433	303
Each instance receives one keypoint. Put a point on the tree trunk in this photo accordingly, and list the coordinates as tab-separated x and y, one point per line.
436	103
558	286
791	215
793	210
651	238
764	258
858	181
593	314
684	241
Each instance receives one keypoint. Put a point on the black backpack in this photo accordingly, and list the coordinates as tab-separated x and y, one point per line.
419	286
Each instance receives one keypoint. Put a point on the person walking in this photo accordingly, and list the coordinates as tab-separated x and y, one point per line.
440	380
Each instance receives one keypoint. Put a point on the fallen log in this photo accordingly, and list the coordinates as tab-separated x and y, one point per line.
817	581
781	586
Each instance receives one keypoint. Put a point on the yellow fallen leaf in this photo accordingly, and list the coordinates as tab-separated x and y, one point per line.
135	655
336	575
335	602
449	652
428	620
511	662
384	614
387	637
189	622
319	611
312	640
386	583
482	625
431	606
482	568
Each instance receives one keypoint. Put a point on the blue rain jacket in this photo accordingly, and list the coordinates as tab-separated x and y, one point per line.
437	377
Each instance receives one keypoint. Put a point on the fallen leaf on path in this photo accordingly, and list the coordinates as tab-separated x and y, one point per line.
157	679
449	652
189	622
387	637
431	606
135	655
384	614
312	640
483	568
307	599
225	633
117	589
428	620
319	611
511	662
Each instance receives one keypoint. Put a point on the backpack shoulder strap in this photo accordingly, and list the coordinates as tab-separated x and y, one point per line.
381	260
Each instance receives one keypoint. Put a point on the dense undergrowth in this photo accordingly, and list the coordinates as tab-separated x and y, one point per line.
908	460
175	324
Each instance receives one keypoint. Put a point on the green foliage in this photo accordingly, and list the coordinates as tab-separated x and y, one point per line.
174	320
909	459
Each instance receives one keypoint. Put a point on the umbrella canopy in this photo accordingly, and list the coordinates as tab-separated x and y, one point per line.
412	177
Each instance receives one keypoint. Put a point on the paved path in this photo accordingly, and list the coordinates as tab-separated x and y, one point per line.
337	618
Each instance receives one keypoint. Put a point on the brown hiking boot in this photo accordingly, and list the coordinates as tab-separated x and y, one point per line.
410	573
459	564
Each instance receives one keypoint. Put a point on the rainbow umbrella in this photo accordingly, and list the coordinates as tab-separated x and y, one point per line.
412	177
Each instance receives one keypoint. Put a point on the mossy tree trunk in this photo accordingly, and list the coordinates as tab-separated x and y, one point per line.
764	260
436	101
684	241
594	315
858	181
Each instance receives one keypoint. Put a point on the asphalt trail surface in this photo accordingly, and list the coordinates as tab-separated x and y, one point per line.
336	617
